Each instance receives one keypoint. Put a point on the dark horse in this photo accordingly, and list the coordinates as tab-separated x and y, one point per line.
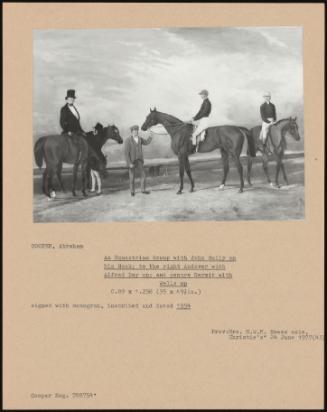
229	139
277	141
58	149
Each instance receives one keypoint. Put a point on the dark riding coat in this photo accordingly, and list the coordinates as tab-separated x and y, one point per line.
204	111
68	121
267	110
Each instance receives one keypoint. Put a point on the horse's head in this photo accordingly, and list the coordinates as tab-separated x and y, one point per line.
151	120
293	129
112	132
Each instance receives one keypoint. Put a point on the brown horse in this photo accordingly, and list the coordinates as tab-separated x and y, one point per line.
58	149
229	139
277	141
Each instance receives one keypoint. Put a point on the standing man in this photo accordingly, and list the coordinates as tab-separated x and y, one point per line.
69	116
268	116
134	158
200	120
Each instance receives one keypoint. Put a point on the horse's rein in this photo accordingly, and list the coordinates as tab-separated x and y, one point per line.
159	134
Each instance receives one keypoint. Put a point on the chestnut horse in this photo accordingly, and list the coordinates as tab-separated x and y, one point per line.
229	139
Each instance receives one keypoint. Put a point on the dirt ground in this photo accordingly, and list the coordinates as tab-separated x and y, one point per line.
208	202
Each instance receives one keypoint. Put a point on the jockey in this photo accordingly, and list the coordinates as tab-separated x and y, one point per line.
200	120
268	116
97	128
69	116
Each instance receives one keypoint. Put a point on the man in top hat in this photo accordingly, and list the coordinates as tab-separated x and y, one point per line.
69	116
200	120
268	116
134	158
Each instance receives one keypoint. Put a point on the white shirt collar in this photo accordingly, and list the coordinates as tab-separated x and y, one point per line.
73	109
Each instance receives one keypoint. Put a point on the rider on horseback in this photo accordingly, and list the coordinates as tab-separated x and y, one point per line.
200	120
70	118
268	116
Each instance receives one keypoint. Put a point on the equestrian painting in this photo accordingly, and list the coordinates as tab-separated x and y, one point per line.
168	124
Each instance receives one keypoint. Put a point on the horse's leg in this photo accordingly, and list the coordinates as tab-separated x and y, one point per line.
225	158
84	171
181	158
45	188
189	174
265	160
278	166
59	176
52	193
282	166
239	167
249	168
75	169
89	178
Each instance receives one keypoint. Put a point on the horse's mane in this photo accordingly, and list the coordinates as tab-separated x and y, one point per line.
171	117
281	120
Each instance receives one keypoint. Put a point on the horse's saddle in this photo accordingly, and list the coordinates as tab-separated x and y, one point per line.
200	136
77	140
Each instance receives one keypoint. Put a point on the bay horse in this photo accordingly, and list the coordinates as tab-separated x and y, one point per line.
278	133
55	150
229	139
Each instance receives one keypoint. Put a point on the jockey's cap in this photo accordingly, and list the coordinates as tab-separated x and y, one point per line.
98	127
70	93
266	94
204	92
135	127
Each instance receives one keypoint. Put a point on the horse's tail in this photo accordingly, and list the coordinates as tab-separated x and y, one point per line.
250	139
38	151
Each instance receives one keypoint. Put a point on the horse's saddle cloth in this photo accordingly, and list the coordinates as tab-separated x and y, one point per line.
202	135
77	140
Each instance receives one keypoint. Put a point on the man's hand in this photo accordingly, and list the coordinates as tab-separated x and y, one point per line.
131	166
70	133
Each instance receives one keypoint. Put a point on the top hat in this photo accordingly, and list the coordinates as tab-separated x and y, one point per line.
135	127
204	92
98	127
70	93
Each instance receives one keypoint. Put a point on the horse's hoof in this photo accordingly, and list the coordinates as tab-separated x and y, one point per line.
192	190
74	194
250	184
84	194
240	191
179	192
221	186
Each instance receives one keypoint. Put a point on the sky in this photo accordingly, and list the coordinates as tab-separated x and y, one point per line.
118	74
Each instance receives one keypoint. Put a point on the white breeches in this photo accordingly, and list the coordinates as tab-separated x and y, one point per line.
95	180
200	127
265	129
